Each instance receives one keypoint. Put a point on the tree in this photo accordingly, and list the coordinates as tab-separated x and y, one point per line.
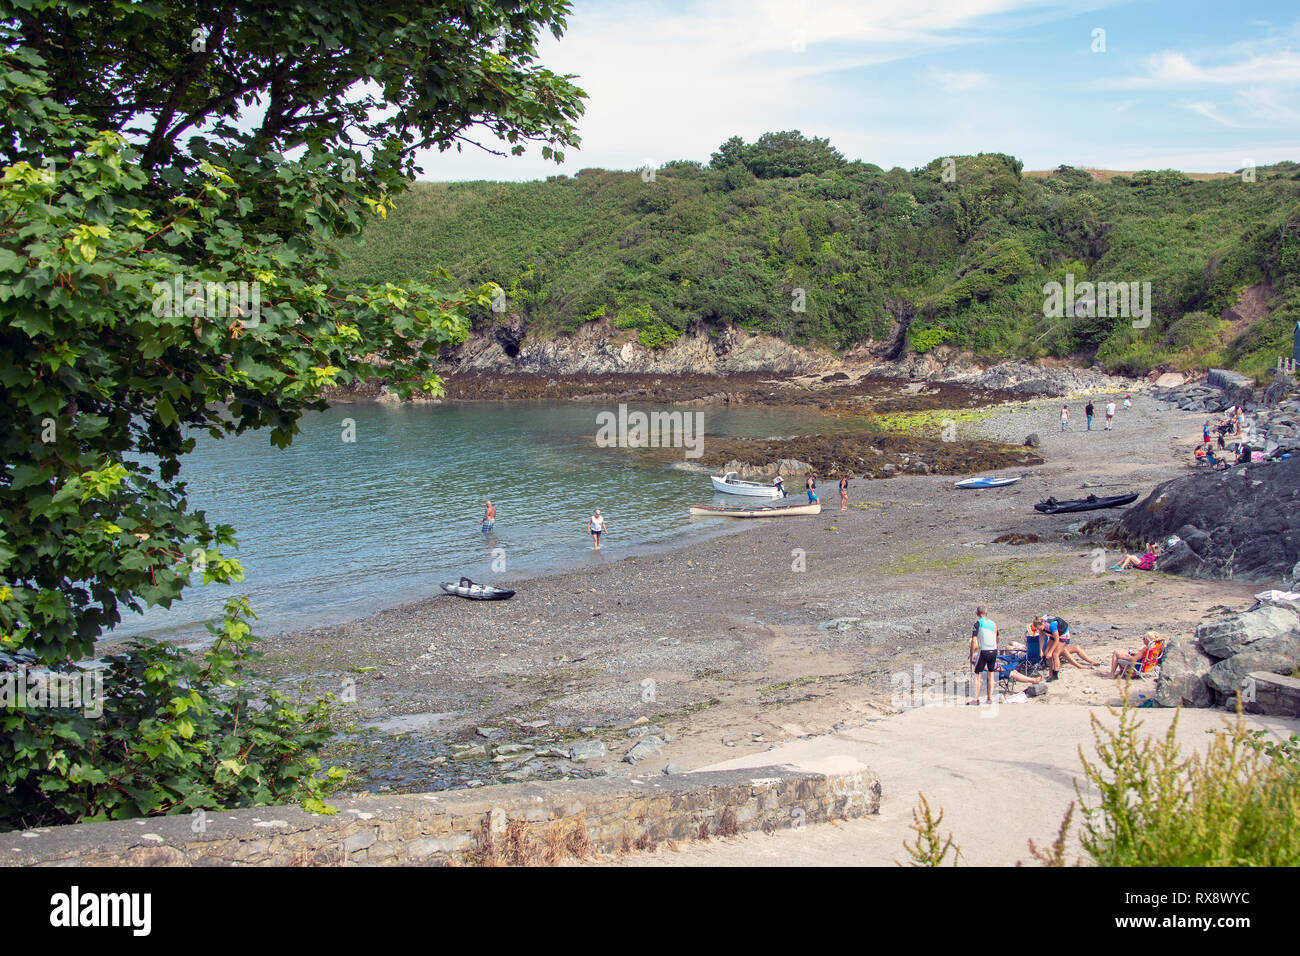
163	269
778	155
730	153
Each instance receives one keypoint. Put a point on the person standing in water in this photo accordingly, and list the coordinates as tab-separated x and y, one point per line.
595	528
489	517
844	493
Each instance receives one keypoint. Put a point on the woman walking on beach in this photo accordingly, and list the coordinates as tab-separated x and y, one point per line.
595	528
1065	417
844	493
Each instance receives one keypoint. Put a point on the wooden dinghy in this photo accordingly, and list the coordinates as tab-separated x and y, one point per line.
730	484
759	511
477	592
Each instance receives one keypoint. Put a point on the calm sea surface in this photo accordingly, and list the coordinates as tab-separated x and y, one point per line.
331	530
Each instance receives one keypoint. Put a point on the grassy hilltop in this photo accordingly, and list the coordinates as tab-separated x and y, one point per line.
955	253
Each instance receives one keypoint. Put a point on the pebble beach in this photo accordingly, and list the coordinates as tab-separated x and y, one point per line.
783	629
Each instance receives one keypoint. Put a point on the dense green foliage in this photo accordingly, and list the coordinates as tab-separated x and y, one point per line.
155	283
1235	804
962	249
164	739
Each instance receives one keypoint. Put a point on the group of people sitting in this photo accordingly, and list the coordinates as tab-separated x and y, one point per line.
1047	644
1230	425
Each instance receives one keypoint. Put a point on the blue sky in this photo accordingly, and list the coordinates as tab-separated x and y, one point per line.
1197	86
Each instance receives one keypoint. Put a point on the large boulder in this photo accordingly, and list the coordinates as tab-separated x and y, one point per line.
1182	675
1245	522
1279	654
1232	635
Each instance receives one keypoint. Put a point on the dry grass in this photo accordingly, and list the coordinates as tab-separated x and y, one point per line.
324	857
727	826
519	847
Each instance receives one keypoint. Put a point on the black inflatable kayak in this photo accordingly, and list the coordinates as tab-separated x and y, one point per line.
1091	503
477	592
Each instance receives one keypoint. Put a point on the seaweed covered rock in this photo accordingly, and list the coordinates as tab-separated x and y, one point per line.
1242	524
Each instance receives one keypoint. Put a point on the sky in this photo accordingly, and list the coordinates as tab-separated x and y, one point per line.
1182	84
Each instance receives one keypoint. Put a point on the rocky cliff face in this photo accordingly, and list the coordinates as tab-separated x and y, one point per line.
599	349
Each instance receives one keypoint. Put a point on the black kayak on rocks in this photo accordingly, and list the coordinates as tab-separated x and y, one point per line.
1091	503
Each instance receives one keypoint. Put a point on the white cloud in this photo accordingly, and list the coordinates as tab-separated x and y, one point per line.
959	81
1173	69
676	82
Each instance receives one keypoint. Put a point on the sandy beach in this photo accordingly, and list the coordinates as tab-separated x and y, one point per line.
787	628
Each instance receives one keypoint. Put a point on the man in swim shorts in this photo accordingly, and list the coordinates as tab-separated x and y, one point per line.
984	652
489	517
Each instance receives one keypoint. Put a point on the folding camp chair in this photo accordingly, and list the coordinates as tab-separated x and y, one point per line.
1148	665
1029	662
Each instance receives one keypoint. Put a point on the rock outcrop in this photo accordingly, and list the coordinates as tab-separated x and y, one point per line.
1219	661
599	349
1242	524
1182	675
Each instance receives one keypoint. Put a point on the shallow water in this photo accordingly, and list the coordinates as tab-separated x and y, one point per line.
331	530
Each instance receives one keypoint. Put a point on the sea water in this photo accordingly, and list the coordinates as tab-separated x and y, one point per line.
332	529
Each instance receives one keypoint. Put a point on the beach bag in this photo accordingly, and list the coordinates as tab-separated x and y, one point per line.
1035	690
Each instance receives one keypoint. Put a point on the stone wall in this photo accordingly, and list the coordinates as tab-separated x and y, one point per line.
606	814
1274	694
